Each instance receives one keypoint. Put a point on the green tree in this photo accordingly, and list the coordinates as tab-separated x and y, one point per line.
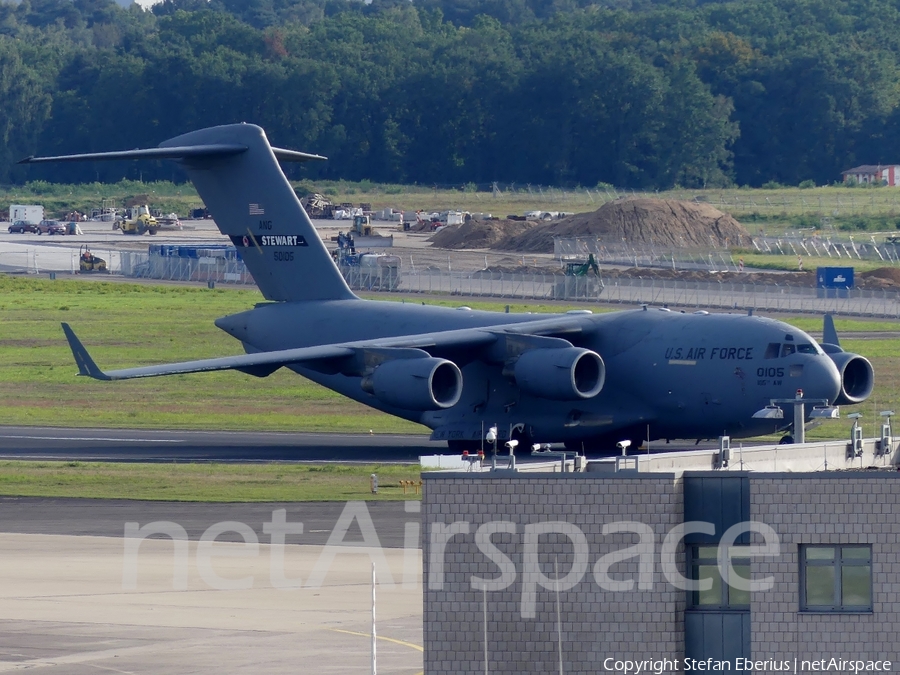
24	108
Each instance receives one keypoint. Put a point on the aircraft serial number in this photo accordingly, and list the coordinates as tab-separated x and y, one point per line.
284	256
769	373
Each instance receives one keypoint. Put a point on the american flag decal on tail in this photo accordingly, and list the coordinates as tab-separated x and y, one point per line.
257	210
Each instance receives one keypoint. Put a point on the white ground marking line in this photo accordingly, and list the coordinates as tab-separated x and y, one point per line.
96	438
114	670
86	657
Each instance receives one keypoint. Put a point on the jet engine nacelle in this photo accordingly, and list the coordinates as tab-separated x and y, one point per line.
566	374
416	384
857	377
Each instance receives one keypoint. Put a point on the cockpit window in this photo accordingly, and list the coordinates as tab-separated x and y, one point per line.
772	350
807	348
787	350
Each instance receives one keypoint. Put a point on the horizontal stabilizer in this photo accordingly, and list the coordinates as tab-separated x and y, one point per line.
214	150
181	152
295	156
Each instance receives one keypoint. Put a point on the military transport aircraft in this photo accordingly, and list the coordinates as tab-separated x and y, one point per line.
583	379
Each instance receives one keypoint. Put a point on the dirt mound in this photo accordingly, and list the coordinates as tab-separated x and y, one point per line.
479	234
659	222
423	226
883	277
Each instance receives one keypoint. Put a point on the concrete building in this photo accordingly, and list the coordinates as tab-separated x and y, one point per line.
870	173
592	572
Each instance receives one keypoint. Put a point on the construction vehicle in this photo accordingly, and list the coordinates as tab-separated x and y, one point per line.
578	282
581	269
88	262
362	226
137	220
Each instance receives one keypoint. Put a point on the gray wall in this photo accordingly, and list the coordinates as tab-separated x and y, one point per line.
827	509
596	624
817	508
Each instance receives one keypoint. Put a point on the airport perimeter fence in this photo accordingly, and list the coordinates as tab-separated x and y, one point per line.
841	252
51	259
675	294
578	249
204	269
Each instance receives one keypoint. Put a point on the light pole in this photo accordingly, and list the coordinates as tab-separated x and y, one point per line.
855	448
887	441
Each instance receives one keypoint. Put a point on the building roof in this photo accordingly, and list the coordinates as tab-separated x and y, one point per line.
868	168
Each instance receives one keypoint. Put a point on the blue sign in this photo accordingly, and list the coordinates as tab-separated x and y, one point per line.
834	277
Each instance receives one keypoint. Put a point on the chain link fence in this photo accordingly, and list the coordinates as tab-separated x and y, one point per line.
647	255
204	269
675	294
841	252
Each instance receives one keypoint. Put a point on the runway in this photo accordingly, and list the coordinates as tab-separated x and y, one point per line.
78	597
132	445
65	606
106	518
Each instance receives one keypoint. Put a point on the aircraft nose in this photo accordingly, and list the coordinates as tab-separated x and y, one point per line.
822	379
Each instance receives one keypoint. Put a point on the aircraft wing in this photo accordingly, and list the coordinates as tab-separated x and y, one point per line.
265	363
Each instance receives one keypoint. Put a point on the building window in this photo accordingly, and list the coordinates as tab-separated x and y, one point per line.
836	578
721	595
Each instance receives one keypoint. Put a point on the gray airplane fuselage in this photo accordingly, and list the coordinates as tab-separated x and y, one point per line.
682	375
577	378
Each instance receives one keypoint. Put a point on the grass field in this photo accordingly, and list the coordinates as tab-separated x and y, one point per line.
206	482
128	324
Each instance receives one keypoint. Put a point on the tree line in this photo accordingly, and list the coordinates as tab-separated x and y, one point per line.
633	93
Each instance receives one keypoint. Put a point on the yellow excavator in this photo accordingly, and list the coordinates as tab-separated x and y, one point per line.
137	220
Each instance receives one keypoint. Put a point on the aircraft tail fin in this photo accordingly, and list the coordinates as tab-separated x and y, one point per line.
83	360
829	334
236	173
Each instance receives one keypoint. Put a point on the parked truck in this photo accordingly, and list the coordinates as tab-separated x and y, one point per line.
29	213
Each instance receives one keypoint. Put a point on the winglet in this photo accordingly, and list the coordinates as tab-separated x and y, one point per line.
829	334
86	365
